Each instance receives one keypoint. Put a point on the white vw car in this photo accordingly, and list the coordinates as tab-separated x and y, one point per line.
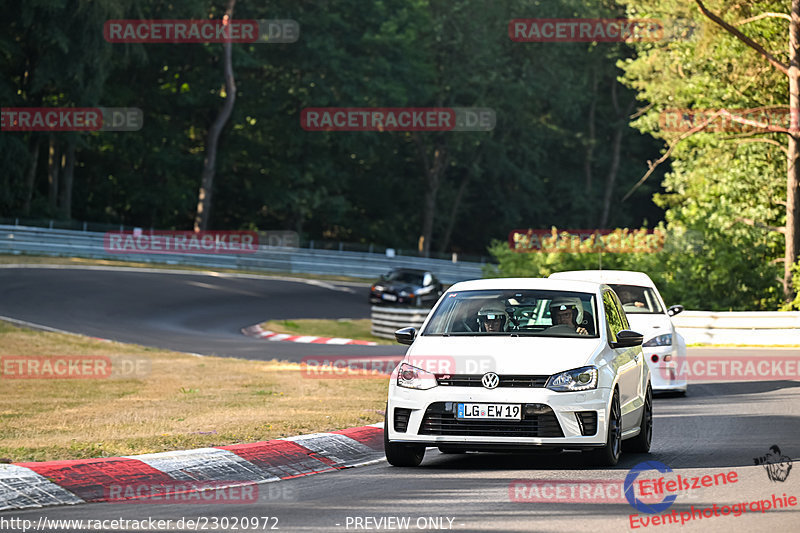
519	364
664	348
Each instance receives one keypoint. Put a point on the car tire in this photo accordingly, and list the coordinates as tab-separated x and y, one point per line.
401	454
609	454
641	442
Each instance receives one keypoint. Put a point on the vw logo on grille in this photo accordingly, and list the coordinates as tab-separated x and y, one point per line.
490	380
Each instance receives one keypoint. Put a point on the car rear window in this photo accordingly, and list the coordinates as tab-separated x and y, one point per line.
636	299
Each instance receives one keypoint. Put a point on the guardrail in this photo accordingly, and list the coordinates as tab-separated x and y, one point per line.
87	244
387	320
768	328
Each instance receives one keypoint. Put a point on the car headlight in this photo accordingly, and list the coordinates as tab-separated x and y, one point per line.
377	287
574	380
660	340
412	377
403	294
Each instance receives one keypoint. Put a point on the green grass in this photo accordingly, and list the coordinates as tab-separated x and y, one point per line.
358	329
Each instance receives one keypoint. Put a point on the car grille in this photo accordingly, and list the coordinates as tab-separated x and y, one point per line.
588	422
438	420
401	416
474	380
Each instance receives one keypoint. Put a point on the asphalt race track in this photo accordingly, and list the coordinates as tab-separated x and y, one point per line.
719	427
195	313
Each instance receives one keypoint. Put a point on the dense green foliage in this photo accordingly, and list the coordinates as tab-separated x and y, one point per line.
724	190
360	187
565	113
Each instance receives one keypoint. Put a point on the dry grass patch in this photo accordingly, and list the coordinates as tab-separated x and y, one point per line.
182	402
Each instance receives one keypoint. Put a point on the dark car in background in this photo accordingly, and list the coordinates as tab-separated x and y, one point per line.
406	286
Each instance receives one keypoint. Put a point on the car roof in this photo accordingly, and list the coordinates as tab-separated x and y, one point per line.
527	283
410	270
623	277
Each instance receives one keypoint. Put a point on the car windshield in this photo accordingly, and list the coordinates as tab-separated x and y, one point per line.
636	299
401	276
541	313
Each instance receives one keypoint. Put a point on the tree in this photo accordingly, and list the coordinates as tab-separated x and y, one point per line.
732	59
209	164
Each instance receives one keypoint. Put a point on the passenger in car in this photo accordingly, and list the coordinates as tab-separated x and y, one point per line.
566	313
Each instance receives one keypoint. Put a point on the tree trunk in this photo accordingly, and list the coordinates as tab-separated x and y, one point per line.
792	235
202	217
451	221
67	179
53	165
30	180
616	148
590	142
433	173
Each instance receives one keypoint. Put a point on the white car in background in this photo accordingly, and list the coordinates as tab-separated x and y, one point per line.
521	364
664	348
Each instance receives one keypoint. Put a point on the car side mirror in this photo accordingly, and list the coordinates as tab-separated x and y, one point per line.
628	339
674	310
383	277
406	335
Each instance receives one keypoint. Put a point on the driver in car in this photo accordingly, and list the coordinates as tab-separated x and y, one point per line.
565	314
492	318
627	296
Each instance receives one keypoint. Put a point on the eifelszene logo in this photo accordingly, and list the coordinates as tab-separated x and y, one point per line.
636	503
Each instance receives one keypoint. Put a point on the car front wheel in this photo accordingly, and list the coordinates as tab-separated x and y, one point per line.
401	454
641	442
609	454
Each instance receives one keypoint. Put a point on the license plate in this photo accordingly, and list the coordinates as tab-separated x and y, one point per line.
390	297
489	411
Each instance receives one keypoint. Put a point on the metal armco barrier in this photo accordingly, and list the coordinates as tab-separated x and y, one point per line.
43	241
769	328
387	320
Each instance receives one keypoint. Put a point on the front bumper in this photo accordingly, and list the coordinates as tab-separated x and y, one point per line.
377	298
567	420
